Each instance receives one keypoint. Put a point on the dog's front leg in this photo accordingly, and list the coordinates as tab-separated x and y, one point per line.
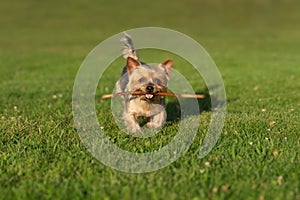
157	121
131	122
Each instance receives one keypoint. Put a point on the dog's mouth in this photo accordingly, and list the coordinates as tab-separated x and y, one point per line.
149	96
145	96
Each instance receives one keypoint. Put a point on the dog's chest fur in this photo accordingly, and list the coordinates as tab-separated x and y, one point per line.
143	108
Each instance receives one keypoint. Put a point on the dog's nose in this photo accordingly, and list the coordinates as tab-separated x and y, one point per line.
149	88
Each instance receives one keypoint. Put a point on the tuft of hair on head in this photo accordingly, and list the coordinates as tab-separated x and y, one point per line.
128	49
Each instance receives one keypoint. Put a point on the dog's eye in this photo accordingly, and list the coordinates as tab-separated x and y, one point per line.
142	80
157	81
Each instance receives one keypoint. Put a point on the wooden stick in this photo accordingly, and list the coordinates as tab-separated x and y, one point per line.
197	96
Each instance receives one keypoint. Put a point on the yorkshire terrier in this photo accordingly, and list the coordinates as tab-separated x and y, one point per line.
138	76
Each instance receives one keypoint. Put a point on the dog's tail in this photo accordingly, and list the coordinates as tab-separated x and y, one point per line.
128	49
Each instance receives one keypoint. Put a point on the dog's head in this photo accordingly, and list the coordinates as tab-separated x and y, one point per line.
148	79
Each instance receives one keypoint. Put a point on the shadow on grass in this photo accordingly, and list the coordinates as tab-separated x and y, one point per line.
174	110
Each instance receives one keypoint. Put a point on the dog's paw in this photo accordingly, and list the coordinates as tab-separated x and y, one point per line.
133	128
154	125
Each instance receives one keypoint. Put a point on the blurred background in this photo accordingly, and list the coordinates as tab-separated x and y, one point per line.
70	29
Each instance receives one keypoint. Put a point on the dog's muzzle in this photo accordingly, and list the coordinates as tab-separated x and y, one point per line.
149	92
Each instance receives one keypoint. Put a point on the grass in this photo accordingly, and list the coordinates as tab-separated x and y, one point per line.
255	44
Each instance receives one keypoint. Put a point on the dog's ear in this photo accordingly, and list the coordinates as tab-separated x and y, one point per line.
167	65
132	64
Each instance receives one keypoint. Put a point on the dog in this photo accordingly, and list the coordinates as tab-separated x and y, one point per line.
138	76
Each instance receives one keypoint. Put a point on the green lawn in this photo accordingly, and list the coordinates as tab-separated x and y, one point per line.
255	45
